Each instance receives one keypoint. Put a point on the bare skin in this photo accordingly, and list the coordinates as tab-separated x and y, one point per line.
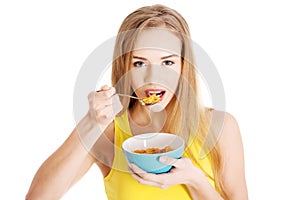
72	160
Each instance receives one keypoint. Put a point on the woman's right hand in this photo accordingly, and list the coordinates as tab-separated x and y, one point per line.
69	162
104	105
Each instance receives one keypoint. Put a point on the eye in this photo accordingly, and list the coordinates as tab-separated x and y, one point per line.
168	63
139	64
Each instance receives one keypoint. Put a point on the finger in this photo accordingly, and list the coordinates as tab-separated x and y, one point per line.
178	163
133	173
105	87
140	179
114	104
144	181
108	92
101	104
148	176
136	169
143	174
96	98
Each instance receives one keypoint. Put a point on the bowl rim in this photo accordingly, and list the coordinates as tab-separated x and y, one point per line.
154	154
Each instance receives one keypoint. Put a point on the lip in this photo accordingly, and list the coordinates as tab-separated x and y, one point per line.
150	91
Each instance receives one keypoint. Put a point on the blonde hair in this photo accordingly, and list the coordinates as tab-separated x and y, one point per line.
194	119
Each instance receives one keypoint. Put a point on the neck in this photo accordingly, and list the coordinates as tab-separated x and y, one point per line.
143	120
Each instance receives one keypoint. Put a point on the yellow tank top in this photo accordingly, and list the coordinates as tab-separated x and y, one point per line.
119	184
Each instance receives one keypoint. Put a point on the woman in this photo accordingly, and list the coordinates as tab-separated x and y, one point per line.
152	55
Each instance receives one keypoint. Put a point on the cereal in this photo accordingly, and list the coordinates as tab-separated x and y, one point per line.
151	100
154	150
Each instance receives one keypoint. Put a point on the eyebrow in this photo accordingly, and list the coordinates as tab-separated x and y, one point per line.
162	58
138	57
169	56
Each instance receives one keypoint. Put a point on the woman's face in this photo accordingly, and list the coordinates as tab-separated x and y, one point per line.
156	65
155	72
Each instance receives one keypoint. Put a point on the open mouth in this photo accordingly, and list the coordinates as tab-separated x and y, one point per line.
157	92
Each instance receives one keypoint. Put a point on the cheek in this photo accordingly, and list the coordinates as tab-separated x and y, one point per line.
136	79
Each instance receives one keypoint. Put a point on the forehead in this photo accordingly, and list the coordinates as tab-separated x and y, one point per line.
157	38
153	54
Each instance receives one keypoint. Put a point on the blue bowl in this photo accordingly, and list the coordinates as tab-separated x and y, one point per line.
150	162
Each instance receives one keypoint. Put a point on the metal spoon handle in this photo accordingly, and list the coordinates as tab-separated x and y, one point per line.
126	95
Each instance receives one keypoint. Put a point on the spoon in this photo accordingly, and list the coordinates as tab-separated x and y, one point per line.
143	101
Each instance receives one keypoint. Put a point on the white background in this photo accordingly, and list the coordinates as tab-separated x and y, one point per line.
254	44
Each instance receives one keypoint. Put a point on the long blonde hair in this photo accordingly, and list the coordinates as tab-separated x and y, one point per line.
194	119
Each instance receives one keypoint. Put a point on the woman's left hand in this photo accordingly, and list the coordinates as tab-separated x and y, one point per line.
182	172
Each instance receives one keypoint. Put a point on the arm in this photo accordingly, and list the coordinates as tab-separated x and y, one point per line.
232	153
232	162
61	170
72	160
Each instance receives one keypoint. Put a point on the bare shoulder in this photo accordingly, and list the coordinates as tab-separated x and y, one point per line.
232	155
227	130
230	137
225	126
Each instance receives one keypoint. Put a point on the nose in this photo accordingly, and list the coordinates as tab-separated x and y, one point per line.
151	73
